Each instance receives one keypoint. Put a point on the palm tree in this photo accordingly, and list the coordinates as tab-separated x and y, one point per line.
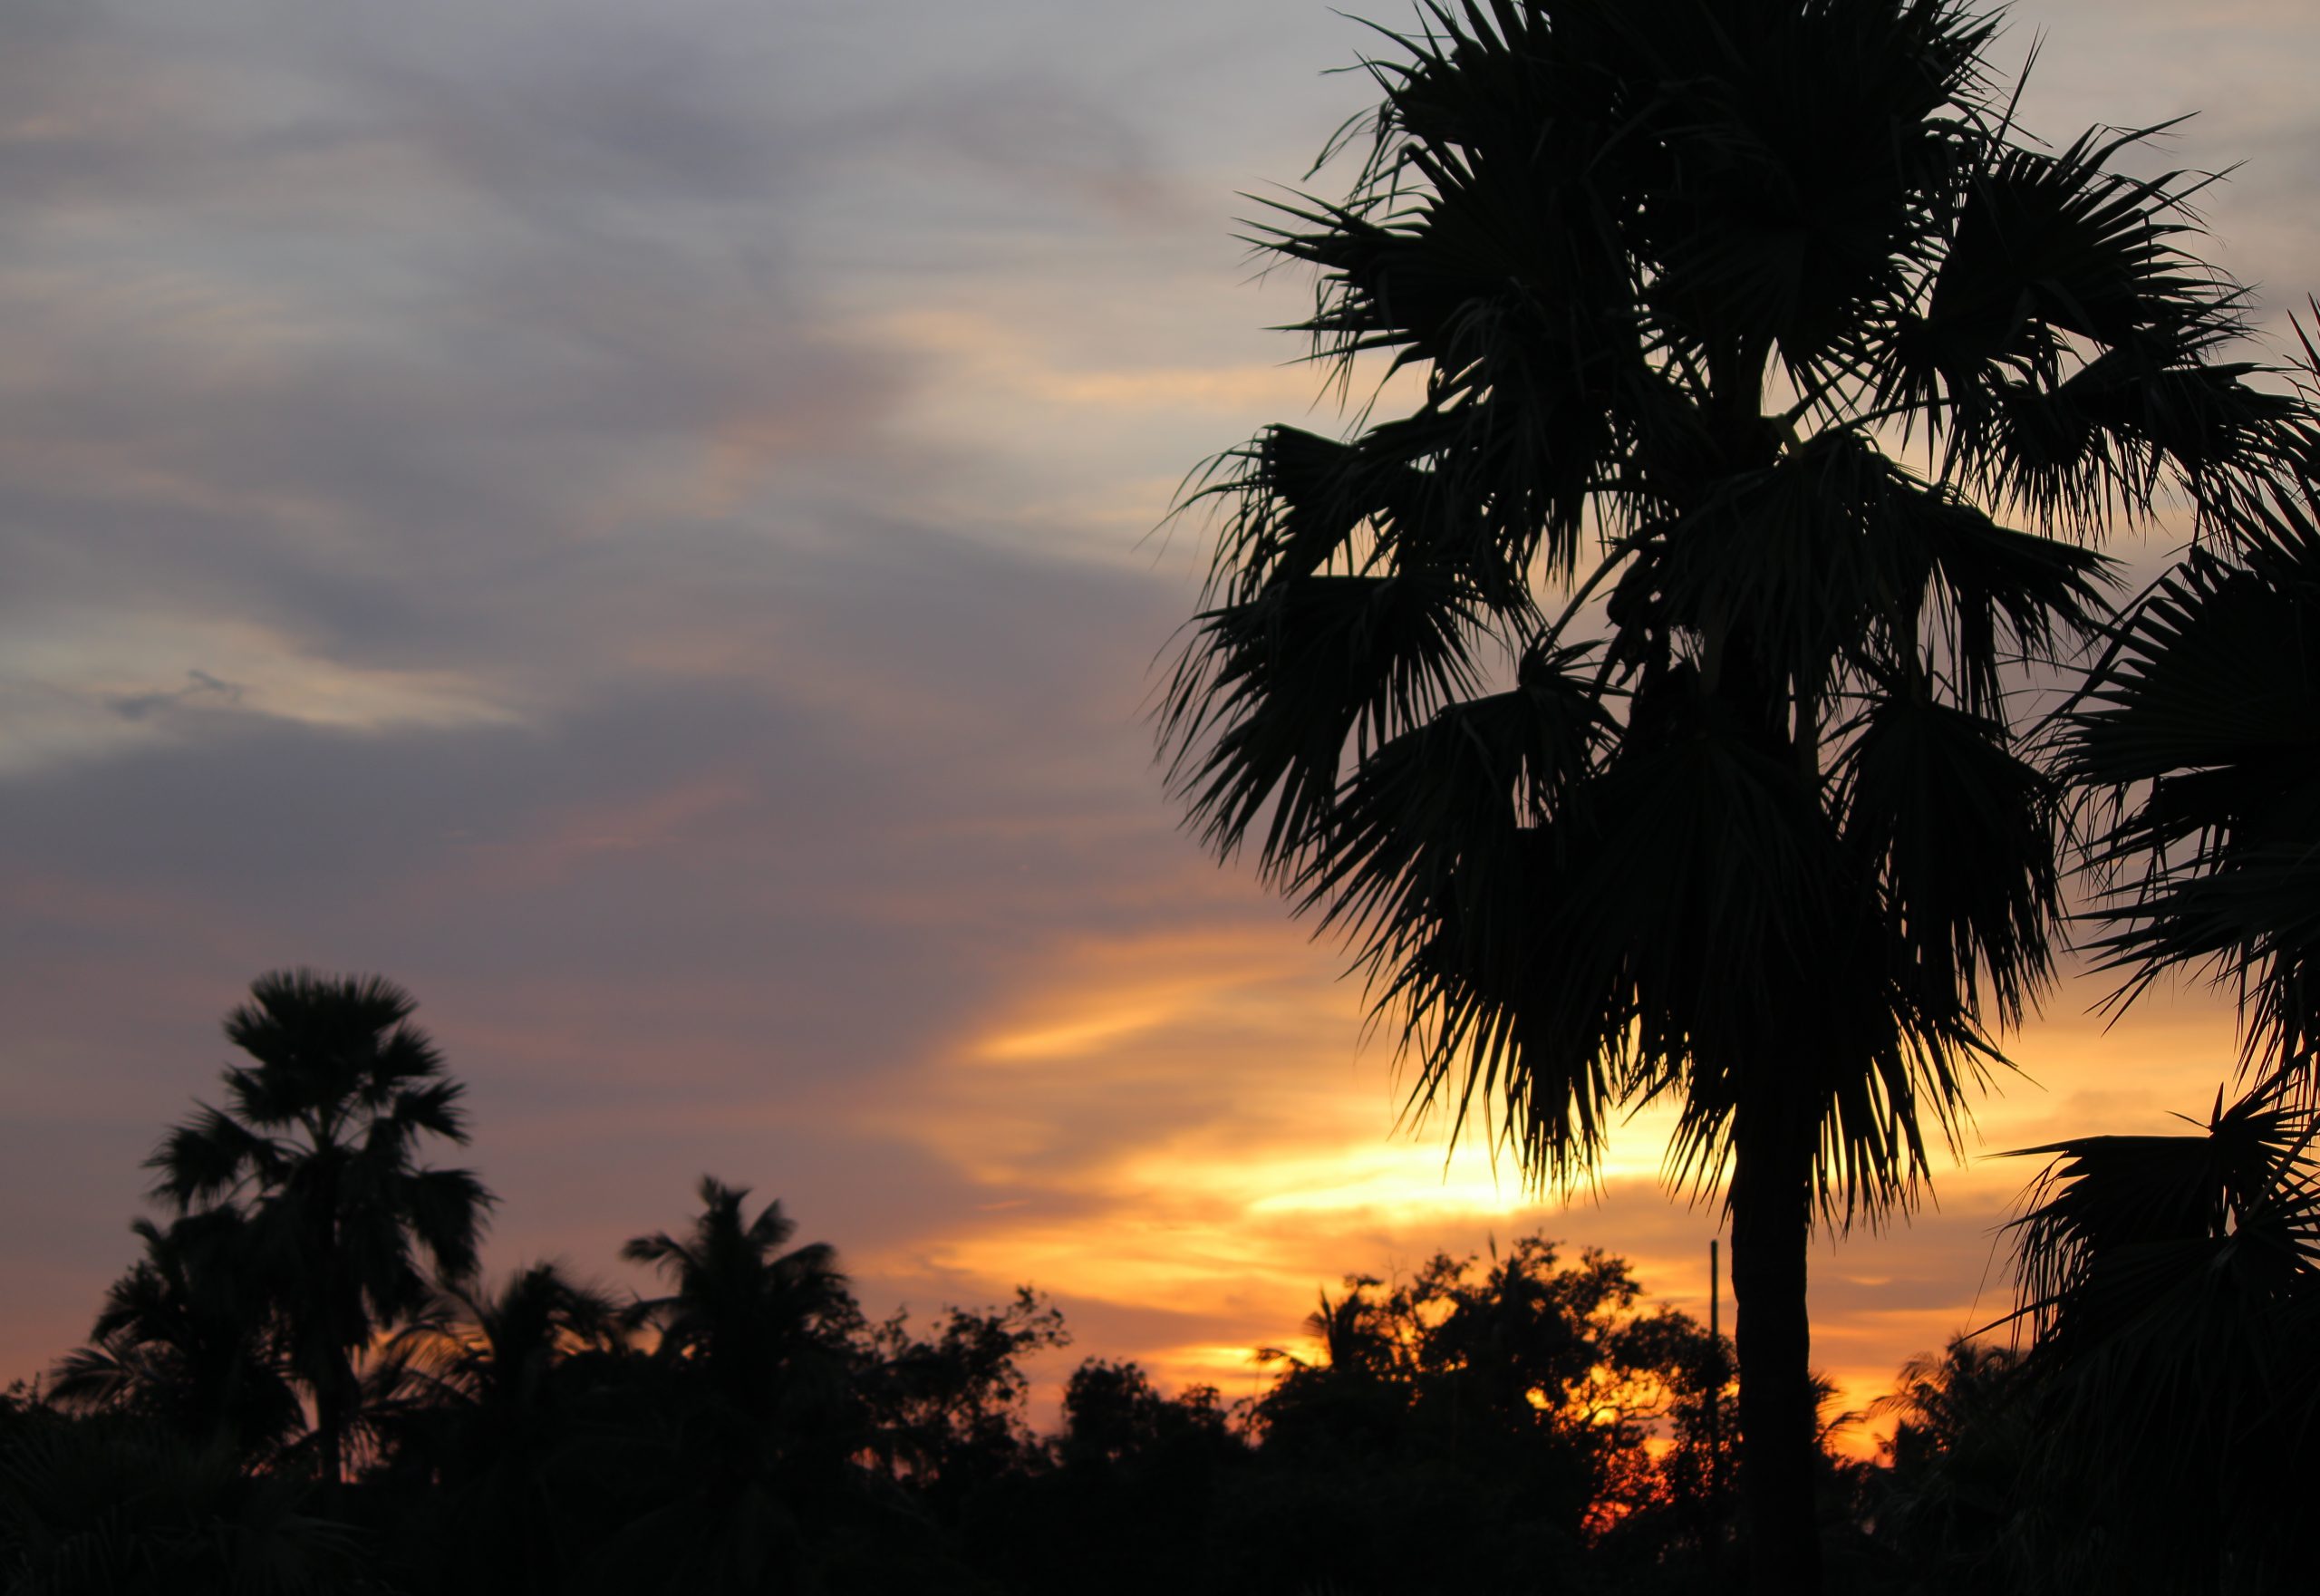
750	1438
1352	1333
319	1146
493	1399
186	1338
749	1314
1731	811
1951	1501
496	1351
2173	1284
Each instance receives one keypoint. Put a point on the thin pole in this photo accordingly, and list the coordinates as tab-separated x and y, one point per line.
1716	1391
1714	1424
1712	1325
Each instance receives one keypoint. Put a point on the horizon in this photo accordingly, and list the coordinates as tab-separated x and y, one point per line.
640	530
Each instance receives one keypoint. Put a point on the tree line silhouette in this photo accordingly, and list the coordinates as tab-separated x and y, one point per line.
304	1383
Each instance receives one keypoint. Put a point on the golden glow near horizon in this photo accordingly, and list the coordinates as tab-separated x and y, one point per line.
1268	1167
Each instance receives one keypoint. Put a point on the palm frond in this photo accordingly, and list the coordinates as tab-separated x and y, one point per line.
1269	693
2064	344
1960	831
2202	732
210	1157
2173	1284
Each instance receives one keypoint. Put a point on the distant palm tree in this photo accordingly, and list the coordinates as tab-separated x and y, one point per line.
1636	712
496	1351
318	1146
487	1404
1354	1341
751	1315
1953	1500
750	1435
187	1337
1939	1400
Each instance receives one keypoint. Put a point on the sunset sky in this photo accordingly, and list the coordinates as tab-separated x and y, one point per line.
636	522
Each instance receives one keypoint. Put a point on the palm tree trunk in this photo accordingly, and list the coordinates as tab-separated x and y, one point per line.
338	1399
329	1422
1772	1217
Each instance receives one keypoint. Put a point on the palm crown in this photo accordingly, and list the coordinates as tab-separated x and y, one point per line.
749	1311
1780	761
177	1338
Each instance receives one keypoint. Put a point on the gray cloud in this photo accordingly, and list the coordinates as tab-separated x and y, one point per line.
200	687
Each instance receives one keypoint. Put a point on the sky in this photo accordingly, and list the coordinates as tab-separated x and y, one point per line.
639	523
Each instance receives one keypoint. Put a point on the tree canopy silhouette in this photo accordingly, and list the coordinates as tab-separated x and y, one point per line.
1521	1422
1632	706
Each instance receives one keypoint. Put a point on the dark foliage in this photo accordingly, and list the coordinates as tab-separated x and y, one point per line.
2173	1284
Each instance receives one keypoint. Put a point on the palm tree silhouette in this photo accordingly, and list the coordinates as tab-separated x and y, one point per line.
496	1351
752	1426
186	1337
493	1392
2173	1283
749	1314
1951	1498
1354	1344
318	1147
1743	820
